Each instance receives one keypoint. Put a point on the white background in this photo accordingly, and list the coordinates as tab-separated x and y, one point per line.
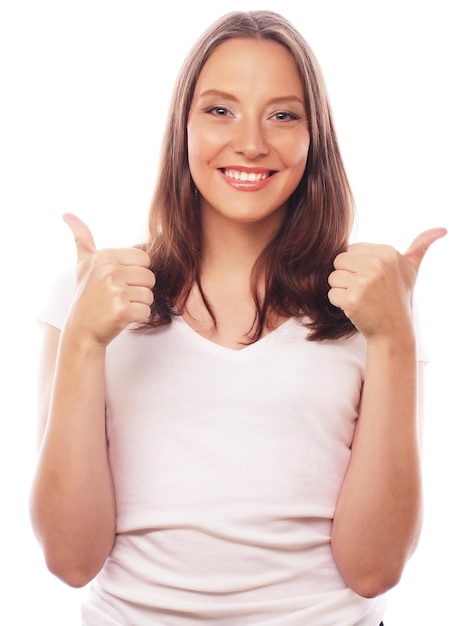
84	94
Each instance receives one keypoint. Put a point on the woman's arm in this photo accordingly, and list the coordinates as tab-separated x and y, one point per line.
72	498
72	501
379	511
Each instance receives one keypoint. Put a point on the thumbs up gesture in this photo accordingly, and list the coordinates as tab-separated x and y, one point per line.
373	284
113	287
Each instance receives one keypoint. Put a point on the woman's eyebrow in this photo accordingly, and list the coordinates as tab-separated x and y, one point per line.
228	96
218	94
287	98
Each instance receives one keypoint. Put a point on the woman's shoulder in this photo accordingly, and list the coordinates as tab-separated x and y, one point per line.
58	299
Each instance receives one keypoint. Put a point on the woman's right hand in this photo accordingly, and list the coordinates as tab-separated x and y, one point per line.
113	287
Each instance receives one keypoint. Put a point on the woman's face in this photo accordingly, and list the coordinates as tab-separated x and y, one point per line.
248	134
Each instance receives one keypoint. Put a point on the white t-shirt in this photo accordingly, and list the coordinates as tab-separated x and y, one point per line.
227	466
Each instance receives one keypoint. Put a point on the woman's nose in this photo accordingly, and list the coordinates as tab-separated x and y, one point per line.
250	139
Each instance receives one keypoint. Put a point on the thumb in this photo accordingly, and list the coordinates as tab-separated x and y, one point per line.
417	249
83	237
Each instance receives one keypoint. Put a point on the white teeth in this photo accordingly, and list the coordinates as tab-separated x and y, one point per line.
250	177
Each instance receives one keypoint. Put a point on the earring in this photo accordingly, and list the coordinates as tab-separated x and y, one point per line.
196	194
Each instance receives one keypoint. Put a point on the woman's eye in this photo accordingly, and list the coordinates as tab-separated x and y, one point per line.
284	116
219	111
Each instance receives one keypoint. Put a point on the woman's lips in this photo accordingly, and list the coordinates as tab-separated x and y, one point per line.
247	179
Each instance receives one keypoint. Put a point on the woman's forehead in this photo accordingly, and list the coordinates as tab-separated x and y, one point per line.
246	65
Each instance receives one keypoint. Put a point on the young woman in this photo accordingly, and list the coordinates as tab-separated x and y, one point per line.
229	412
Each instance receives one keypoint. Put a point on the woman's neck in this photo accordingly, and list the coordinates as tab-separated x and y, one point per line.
231	249
230	252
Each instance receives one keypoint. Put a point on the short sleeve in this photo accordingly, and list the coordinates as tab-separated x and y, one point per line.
59	300
422	353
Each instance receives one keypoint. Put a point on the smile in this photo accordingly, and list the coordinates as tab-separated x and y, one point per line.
243	176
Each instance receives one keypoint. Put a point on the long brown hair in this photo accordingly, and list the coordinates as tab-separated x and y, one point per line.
297	262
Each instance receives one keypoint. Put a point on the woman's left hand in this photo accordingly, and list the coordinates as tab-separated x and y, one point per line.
373	284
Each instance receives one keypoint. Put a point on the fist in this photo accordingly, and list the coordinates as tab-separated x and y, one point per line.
113	287
373	284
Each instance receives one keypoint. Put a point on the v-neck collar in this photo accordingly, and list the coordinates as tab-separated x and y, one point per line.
219	348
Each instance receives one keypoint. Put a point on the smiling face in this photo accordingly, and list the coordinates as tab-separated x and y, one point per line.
248	134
